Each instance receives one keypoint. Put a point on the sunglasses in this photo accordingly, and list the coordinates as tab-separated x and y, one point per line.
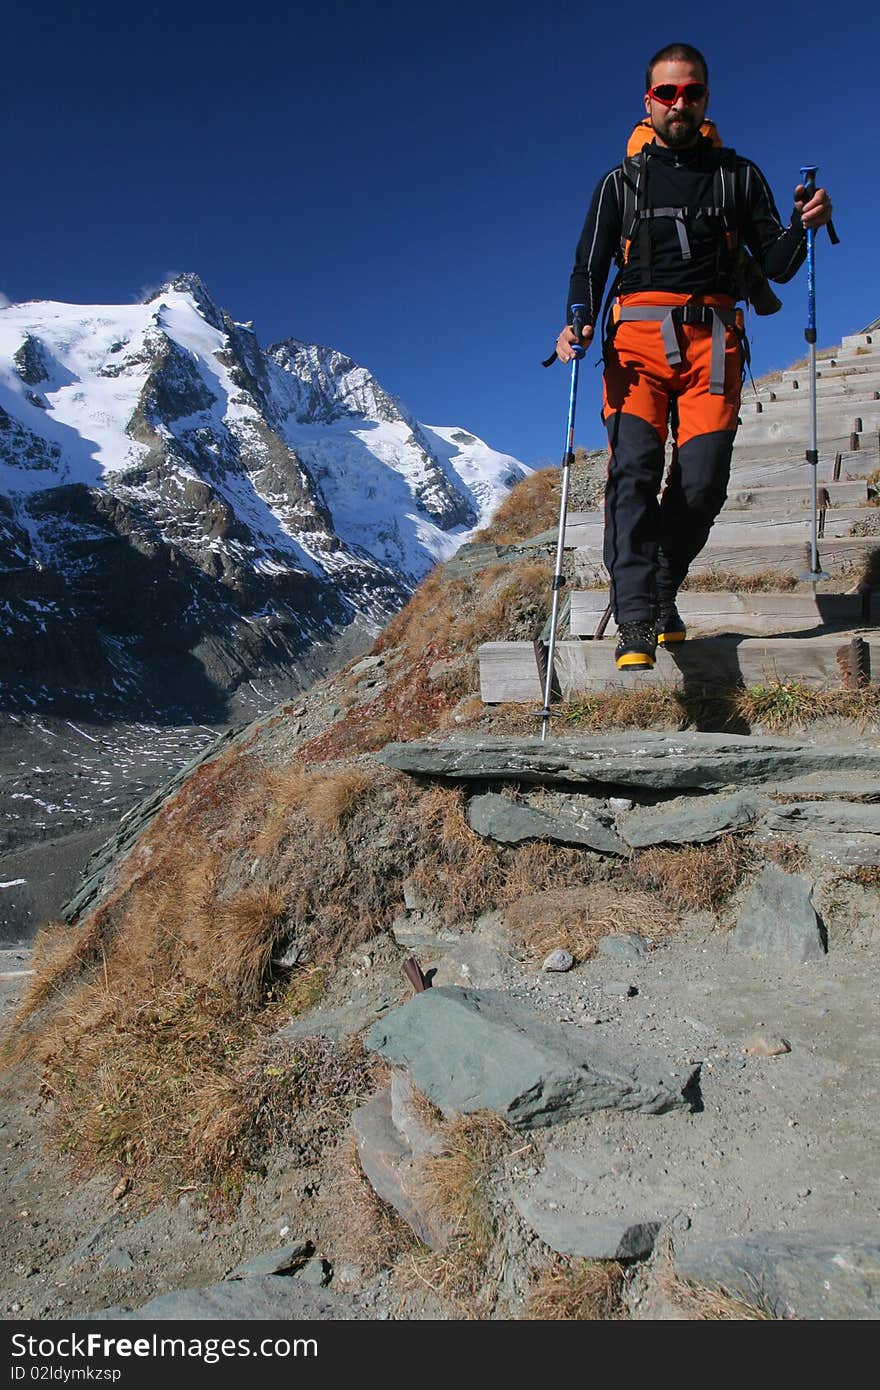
667	93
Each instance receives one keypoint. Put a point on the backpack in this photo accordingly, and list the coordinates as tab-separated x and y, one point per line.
746	274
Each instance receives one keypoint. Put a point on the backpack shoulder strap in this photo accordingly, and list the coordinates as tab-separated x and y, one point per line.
726	190
632	183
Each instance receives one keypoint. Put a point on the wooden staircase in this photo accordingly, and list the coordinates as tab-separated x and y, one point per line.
821	635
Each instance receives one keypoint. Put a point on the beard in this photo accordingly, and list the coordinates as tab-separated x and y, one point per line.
679	132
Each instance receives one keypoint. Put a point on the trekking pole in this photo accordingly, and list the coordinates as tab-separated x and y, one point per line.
578	352
808	175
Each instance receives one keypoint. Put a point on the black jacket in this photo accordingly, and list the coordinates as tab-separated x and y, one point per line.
682	178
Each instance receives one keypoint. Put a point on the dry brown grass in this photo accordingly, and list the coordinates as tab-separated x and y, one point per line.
61	955
869	525
136	1017
304	990
649	708
584	1291
728	581
177	1091
459	871
367	1230
788	854
454	1179
781	705
527	510
701	1303
165	996
326	796
868	875
695	876
537	867
445	618
576	919
454	1182
775	706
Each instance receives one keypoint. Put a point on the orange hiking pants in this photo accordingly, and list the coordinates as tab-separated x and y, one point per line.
649	546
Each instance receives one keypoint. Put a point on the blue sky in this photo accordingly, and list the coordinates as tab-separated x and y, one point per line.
404	182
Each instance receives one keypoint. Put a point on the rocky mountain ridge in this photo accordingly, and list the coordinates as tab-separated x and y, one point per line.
183	513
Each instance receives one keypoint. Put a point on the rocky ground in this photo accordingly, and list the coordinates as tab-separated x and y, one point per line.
775	1144
753	1171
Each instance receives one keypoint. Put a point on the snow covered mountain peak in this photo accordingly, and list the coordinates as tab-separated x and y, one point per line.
263	499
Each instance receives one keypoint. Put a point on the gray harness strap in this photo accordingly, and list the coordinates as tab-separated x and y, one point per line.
678	215
667	316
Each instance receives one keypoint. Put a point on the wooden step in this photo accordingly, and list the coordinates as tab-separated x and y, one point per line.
738	613
854	341
858	556
755	466
585	529
850	492
509	670
834	431
854	369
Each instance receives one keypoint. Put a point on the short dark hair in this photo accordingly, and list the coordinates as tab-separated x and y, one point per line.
685	52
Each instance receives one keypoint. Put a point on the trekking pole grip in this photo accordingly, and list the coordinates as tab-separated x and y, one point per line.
808	174
578	323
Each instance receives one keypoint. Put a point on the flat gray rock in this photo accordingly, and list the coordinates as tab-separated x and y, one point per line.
777	918
819	1275
393	1169
849	786
575	1205
279	1261
340	1023
689	820
407	1121
272	1297
498	818
629	946
637	759
839	851
589	1237
832	817
558	961
482	1050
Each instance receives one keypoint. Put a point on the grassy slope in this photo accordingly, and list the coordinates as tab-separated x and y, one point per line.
151	1023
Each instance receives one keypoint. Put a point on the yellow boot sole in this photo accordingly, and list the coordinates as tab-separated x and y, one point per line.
636	659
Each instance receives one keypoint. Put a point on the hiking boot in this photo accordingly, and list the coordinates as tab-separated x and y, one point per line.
636	645
670	626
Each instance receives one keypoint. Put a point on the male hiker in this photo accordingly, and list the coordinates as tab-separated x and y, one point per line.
680	218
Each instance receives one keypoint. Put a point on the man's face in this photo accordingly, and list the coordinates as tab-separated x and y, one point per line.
676	126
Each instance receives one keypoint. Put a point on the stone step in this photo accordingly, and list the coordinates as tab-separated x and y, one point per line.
509	671
855	556
741	613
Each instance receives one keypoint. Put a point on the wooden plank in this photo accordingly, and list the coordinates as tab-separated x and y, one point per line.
853	492
758	464
729	531
858	556
588	667
509	671
776	517
733	612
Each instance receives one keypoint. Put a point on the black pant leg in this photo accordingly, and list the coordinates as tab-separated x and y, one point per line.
695	492
632	516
